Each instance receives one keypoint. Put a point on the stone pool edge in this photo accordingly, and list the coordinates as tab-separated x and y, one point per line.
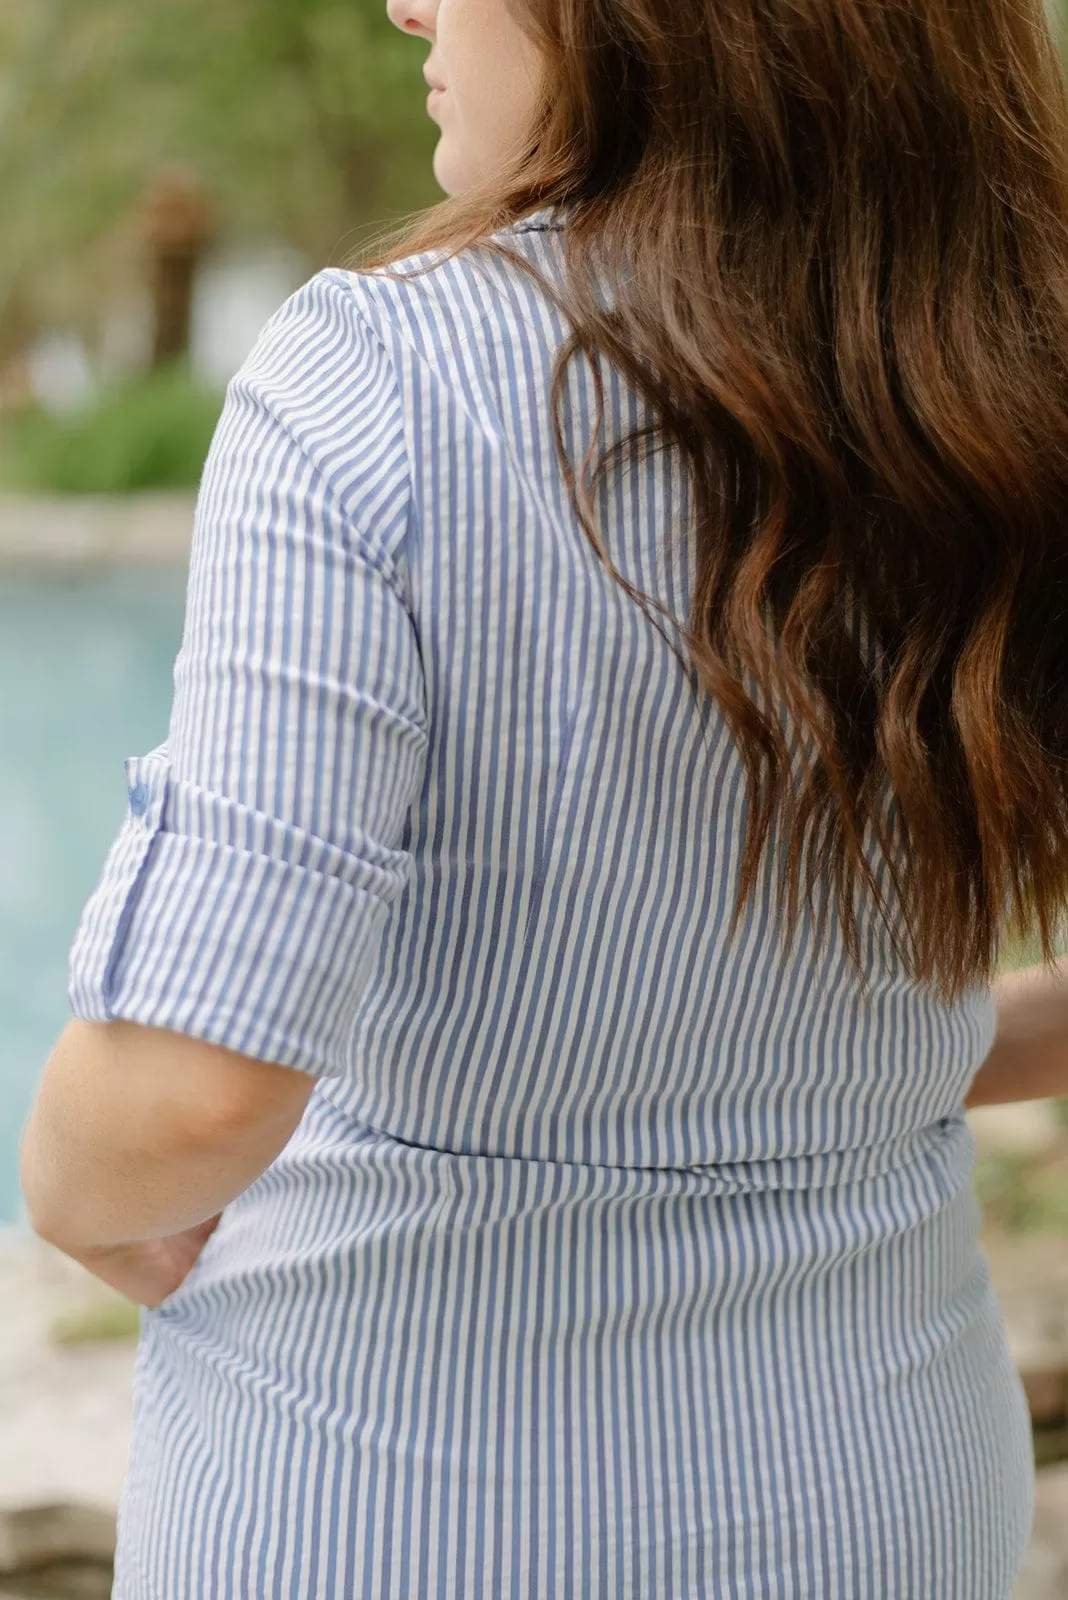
73	533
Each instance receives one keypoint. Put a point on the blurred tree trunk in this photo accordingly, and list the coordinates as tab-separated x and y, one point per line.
179	225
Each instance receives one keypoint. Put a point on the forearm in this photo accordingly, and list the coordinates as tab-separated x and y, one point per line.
1029	1056
138	1134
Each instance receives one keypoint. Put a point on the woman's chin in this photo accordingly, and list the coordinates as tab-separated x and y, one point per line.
444	169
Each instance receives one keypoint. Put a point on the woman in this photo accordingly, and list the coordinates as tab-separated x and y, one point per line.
522	1031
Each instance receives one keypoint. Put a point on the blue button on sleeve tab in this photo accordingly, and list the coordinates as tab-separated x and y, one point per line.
139	800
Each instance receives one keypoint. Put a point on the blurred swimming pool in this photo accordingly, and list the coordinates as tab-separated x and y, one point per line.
86	668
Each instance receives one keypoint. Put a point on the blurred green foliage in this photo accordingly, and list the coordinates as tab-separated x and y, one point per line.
305	119
1016	953
1025	1193
98	1321
150	433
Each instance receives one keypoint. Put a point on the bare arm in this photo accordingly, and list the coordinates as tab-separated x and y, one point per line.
1029	1056
139	1133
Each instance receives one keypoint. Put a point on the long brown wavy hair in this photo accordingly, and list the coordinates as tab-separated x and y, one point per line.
838	234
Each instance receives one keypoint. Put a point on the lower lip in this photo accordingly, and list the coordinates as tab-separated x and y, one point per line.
433	98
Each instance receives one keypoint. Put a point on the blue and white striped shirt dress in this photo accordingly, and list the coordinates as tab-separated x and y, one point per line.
613	1257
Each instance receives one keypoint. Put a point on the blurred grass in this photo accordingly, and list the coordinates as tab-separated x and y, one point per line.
1025	1193
97	1321
1026	950
148	433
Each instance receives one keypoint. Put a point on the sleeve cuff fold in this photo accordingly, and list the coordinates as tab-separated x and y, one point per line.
255	952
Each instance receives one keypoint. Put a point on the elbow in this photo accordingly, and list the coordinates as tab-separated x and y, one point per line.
41	1203
48	1228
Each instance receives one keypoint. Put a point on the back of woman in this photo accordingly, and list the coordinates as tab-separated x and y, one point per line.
624	854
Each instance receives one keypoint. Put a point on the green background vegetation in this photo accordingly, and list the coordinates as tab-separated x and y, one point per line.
149	433
305	120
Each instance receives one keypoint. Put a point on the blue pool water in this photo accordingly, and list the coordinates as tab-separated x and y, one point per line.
85	680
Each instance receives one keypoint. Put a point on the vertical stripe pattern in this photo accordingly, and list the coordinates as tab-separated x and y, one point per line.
612	1257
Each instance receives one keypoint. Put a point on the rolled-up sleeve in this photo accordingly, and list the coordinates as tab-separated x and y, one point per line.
246	894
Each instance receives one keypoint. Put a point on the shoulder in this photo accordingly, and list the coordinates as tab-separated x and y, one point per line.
320	336
344	314
436	306
313	418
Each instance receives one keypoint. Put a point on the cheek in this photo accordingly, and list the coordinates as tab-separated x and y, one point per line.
489	65
497	111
